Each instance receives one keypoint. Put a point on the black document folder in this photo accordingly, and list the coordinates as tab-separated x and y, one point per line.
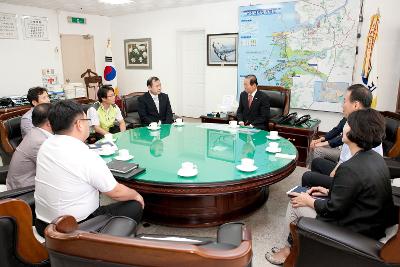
128	176
118	166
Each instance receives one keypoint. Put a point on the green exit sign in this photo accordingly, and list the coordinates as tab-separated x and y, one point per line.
77	20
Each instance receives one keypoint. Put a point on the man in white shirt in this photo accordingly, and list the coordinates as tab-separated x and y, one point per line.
69	176
22	169
36	96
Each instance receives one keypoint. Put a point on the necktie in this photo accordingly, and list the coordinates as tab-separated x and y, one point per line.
250	99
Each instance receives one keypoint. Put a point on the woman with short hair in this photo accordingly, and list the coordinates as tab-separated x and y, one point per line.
360	197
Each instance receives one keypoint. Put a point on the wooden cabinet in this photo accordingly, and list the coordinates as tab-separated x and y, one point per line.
301	137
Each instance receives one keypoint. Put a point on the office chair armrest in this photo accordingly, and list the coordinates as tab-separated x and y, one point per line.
17	192
3	174
332	236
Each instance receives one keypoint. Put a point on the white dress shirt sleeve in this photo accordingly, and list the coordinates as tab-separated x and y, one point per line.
119	117
100	176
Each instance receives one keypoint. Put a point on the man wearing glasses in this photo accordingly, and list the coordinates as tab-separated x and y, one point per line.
69	176
105	115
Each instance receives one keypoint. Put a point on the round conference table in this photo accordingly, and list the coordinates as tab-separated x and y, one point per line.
219	192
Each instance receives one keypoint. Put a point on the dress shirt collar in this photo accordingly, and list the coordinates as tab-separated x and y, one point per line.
153	96
46	133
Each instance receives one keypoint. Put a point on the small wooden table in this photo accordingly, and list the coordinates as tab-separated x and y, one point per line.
223	120
301	136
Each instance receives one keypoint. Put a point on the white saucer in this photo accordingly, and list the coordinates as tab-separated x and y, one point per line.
273	138
270	150
153	129
247	168
124	159
185	173
106	153
178	124
106	140
234	127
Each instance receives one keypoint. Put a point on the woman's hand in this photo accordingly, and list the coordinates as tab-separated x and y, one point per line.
318	191
301	200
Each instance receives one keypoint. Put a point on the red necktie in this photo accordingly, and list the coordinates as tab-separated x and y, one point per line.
250	99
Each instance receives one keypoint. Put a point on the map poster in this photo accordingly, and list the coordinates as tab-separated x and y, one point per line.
306	46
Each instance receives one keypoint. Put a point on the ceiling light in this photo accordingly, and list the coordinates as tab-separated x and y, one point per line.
116	2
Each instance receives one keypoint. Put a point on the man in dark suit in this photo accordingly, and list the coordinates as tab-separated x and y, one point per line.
154	106
253	107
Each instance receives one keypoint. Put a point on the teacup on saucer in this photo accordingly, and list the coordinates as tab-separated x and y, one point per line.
188	169
273	147
246	168
124	155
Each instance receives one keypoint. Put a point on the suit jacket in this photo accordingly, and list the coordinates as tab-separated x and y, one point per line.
360	197
22	169
148	111
258	114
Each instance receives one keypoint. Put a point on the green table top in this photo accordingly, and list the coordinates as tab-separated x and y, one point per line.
214	148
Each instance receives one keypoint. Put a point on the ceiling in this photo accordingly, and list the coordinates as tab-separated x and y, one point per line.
96	8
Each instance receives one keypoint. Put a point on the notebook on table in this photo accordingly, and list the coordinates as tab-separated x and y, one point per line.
129	175
123	167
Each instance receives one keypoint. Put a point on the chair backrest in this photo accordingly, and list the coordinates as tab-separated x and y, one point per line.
10	129
279	99
391	143
18	245
68	246
131	102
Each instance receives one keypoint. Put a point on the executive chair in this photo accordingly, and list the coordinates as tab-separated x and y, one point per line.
69	246
279	101
391	143
318	243
10	133
130	105
18	245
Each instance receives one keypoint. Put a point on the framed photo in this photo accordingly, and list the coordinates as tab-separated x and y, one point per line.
138	53
222	49
221	145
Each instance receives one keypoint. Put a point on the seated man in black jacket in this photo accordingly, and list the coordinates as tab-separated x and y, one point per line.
360	197
154	106
253	107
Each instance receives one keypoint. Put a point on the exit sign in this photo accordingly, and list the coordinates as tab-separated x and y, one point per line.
77	20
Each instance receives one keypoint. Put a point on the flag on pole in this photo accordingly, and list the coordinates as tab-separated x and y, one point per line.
369	73
110	74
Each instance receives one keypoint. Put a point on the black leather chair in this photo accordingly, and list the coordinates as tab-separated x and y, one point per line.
10	133
317	243
130	109
18	245
279	101
391	143
69	246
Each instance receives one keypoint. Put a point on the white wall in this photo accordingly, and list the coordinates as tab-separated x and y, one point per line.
23	60
162	26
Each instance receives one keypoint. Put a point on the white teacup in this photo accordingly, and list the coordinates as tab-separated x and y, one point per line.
246	162
178	121
188	166
233	123
273	145
123	153
273	134
153	125
108	137
107	148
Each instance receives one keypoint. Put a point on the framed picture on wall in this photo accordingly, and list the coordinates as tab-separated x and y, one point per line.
137	53
222	49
